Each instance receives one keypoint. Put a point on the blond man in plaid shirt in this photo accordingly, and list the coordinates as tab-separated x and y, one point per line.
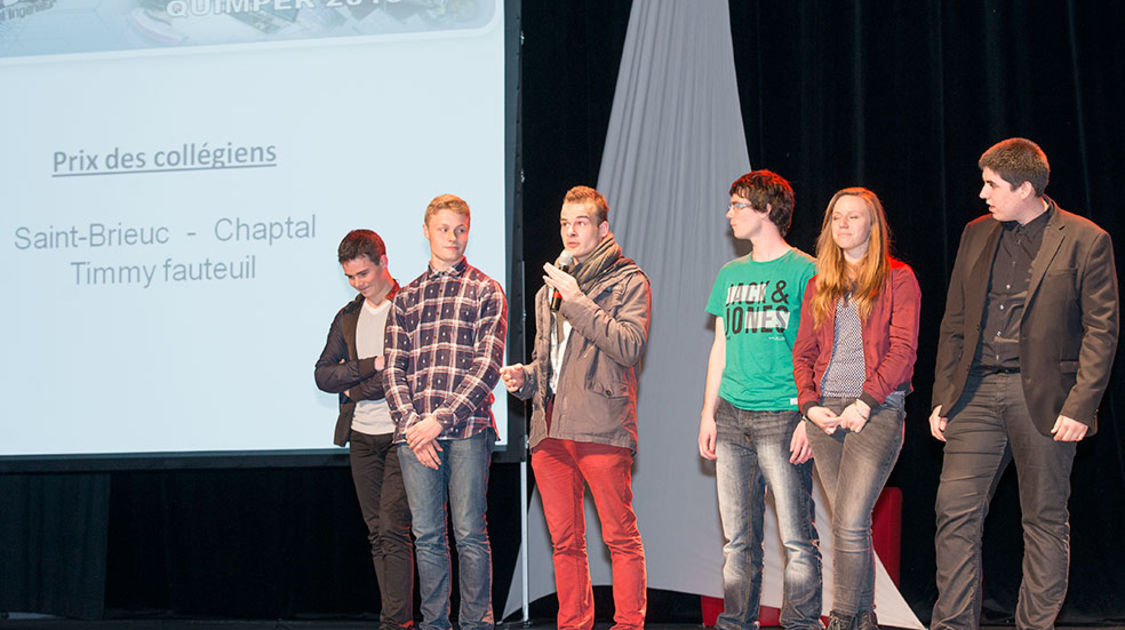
444	348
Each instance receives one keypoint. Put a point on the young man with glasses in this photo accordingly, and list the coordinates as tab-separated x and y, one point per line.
750	423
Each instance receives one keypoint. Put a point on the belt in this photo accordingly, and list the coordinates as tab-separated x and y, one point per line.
988	371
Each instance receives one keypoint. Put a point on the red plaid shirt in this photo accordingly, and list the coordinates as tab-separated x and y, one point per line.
444	348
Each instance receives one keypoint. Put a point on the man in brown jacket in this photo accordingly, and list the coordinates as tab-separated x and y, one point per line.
583	384
1026	346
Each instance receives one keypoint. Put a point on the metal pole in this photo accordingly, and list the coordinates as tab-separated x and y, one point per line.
523	543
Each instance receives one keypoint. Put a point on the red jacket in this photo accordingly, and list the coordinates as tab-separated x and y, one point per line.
890	341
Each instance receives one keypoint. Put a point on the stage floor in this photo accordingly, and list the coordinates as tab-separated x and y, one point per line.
25	622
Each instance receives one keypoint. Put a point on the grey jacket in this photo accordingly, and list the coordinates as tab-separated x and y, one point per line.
596	399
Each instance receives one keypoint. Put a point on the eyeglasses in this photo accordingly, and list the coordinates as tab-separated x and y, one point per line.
738	206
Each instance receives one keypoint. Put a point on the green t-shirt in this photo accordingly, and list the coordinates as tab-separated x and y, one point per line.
760	303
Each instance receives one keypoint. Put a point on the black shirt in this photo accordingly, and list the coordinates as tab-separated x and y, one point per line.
999	347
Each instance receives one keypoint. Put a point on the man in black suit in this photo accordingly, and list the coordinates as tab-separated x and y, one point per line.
1027	342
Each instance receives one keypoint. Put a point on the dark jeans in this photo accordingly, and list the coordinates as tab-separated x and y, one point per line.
853	469
752	449
989	428
382	500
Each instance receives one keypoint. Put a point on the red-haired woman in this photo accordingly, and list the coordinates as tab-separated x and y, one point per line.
853	360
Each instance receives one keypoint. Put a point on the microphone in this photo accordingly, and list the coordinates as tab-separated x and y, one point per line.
563	263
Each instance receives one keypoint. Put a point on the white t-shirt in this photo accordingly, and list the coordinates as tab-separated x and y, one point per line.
558	351
372	417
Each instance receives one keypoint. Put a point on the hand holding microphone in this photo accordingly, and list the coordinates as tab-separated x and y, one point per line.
563	285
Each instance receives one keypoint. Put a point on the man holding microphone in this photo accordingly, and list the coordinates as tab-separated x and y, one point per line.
591	329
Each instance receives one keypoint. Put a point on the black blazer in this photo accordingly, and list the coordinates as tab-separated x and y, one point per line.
1068	332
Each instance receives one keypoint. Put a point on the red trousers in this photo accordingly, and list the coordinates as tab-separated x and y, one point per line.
563	468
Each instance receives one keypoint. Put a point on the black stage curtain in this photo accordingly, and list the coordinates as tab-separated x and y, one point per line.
53	543
259	544
901	97
571	55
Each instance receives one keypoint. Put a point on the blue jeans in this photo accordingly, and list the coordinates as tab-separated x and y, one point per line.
464	472
752	449
853	469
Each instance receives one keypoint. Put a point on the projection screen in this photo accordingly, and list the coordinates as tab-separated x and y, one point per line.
176	176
